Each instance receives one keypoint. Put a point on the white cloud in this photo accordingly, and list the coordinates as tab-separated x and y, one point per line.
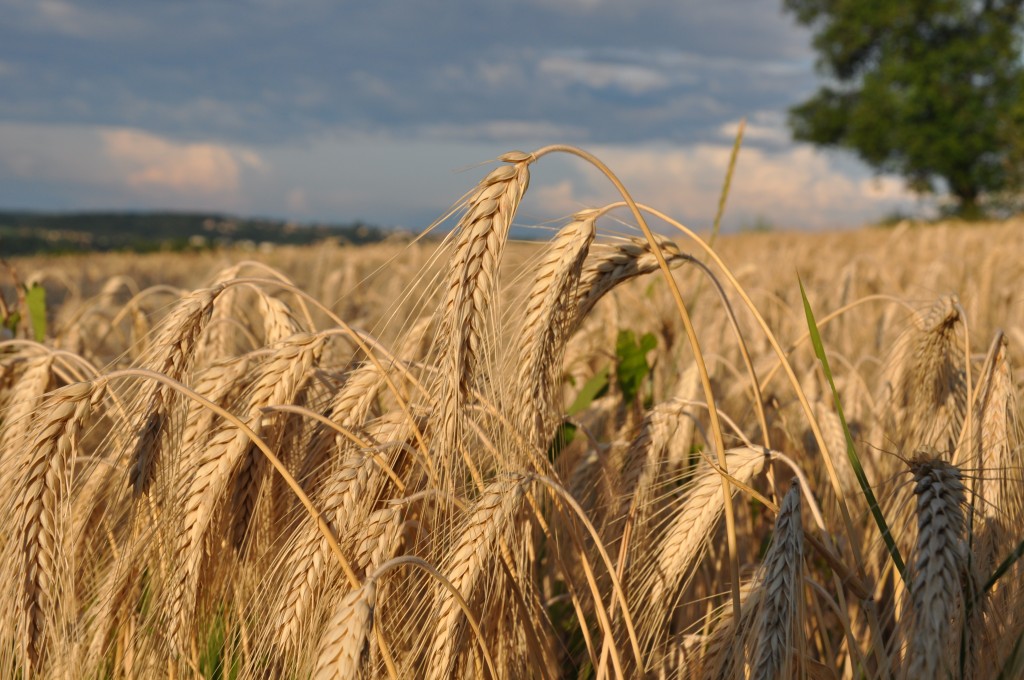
563	5
632	78
148	161
883	188
374	86
793	188
497	74
126	166
763	126
392	179
557	198
66	18
505	131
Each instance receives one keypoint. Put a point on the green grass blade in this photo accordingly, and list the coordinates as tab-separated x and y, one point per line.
35	300
851	451
594	388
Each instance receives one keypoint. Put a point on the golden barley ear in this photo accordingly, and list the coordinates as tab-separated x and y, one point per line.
470	289
779	621
547	321
939	569
44	576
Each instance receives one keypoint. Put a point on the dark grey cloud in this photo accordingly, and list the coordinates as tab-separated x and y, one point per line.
270	71
343	109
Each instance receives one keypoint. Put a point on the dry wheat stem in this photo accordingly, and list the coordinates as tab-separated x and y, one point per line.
343	500
691	334
352	437
459	600
618	594
787	367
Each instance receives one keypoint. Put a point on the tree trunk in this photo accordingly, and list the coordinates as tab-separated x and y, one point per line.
967	207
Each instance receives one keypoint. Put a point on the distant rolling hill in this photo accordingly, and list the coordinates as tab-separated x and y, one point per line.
27	233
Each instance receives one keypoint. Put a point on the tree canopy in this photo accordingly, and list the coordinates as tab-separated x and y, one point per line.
927	89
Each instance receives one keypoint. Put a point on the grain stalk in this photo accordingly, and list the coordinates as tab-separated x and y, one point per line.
698	355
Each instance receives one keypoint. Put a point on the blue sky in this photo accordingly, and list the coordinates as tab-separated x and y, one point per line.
385	111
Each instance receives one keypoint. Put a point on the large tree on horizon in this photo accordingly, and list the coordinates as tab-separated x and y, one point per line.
927	89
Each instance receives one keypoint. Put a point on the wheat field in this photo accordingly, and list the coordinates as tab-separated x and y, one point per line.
614	453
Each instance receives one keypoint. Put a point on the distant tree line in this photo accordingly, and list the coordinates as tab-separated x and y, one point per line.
26	233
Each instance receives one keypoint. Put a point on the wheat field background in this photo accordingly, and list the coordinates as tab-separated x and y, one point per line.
612	454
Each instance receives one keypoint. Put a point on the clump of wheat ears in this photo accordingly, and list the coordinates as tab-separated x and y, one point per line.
241	482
